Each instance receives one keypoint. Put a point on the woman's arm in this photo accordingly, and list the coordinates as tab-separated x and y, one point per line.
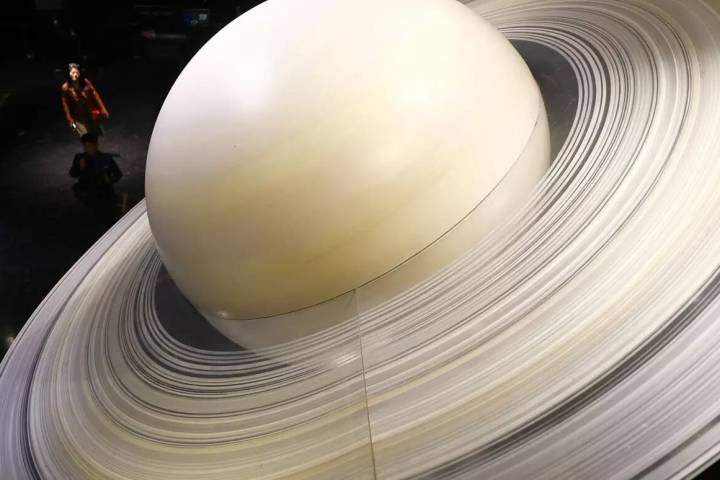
98	100
68	115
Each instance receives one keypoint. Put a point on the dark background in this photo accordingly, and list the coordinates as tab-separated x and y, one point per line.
132	52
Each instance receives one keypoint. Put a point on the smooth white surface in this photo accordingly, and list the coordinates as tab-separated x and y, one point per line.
311	147
509	195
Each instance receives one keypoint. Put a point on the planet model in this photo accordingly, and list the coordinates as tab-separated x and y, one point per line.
311	147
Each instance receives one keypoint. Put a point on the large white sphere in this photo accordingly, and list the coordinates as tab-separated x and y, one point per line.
313	145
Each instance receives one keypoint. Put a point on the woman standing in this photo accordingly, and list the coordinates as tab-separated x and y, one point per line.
82	104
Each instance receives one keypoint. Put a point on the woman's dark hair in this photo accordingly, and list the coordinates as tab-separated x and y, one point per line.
81	77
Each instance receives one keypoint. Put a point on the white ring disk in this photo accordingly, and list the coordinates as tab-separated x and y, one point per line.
577	340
